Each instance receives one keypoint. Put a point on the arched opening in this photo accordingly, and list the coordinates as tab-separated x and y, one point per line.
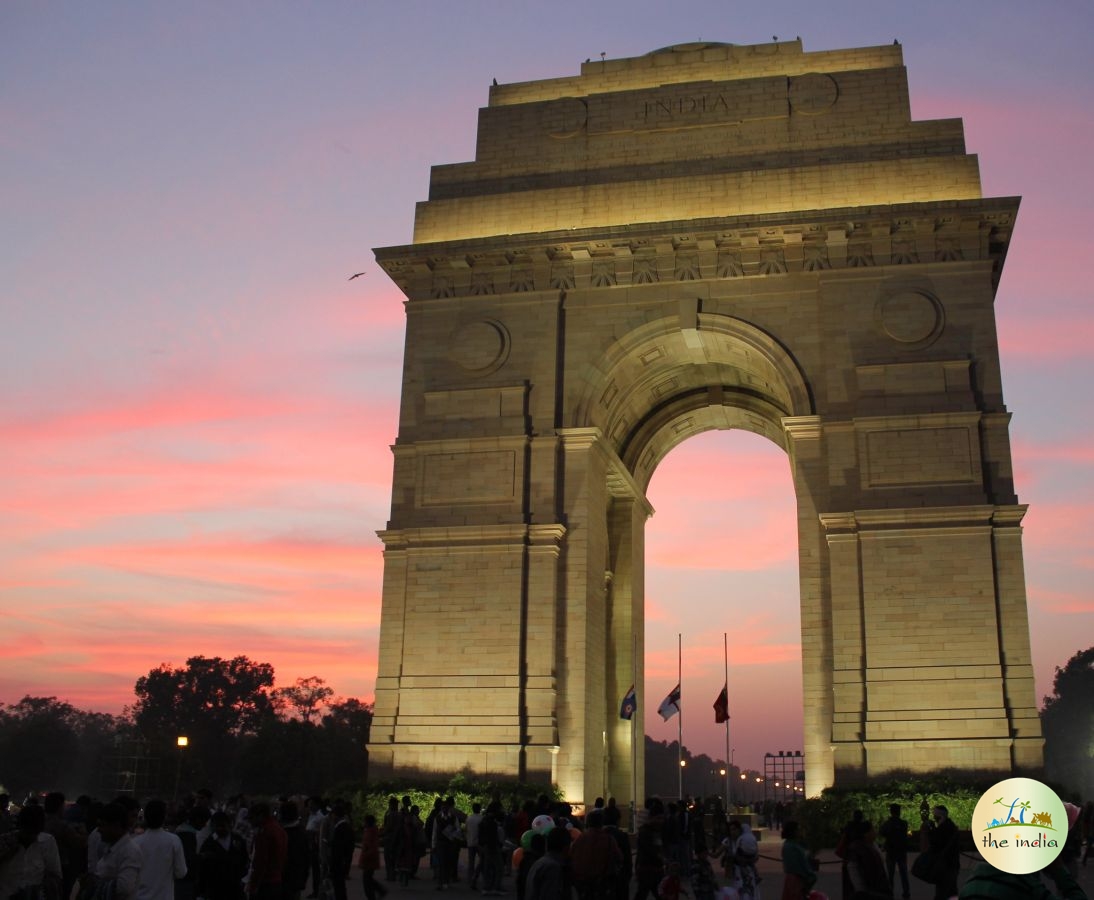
722	557
708	380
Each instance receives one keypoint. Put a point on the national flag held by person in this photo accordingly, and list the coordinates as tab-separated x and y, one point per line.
670	706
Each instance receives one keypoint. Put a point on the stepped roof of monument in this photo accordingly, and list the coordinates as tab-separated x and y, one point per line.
689	48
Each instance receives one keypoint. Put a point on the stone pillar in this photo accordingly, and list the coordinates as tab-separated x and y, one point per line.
583	637
1018	688
807	462
626	653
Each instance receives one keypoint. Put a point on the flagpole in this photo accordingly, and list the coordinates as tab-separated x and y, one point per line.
729	753
634	726
680	713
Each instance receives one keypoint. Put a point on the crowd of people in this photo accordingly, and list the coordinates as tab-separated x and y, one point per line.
235	850
196	850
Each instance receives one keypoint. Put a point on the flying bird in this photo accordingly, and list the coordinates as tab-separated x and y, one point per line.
358	275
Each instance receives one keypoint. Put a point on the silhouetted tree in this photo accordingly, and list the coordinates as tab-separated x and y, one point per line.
46	744
213	702
306	696
345	733
1068	724
300	756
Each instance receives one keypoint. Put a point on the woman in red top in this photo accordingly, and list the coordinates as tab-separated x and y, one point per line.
369	860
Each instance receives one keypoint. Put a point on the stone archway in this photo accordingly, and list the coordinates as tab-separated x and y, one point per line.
706	237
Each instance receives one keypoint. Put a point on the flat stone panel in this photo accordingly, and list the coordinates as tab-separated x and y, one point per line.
484	476
919	456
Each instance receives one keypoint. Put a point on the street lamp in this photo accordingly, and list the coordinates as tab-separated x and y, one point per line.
182	742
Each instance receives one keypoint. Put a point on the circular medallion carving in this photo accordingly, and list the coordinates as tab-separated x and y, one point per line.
910	317
813	93
566	117
481	347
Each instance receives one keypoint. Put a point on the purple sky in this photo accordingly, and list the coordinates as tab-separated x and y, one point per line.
196	405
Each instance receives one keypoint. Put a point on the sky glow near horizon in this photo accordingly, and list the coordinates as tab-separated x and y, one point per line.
196	406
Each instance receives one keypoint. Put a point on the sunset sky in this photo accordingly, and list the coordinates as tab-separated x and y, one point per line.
196	405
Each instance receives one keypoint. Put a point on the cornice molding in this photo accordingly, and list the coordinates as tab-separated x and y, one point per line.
706	249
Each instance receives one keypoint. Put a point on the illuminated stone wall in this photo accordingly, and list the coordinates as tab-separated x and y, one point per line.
708	236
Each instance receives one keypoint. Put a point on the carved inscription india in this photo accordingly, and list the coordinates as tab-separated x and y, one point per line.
667	109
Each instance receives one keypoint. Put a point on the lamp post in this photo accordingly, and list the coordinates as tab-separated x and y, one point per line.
182	742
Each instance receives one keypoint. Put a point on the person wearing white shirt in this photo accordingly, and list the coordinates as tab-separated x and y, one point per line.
34	859
120	859
162	856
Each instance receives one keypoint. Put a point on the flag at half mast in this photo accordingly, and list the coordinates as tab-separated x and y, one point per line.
629	705
670	706
721	706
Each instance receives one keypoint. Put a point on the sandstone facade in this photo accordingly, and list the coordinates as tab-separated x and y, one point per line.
708	236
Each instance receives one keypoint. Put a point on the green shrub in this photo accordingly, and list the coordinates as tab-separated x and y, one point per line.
822	818
373	797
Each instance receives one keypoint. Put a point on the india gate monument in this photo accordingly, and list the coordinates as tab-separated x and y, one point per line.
707	236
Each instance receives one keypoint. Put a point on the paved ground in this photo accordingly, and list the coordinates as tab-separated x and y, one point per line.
770	870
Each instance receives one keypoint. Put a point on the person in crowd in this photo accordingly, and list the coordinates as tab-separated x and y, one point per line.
623	842
1087	829
697	832
96	845
729	851
746	854
799	867
471	836
989	883
197	818
649	855
116	872
703	882
162	857
612	814
490	839
312	828
549	877
850	831
71	841
340	846
446	842
270	849
222	861
594	860
417	845
942	839
30	863
894	832
7	823
865	867
297	861
537	847
389	836
671	887
369	860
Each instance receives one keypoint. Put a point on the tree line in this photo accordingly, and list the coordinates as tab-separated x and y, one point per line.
243	735
214	722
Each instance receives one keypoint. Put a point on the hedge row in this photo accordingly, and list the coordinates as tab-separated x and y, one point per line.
373	797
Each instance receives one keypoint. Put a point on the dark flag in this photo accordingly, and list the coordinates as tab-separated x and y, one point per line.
721	706
629	705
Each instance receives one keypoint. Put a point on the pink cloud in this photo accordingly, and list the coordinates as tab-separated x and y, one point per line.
1061	602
